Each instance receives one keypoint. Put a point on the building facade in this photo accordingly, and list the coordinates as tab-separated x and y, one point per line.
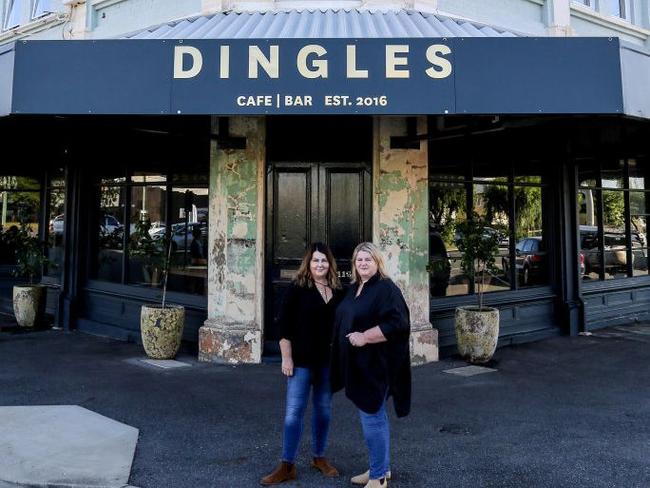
529	113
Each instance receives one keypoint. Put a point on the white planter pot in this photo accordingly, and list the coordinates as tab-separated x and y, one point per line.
28	304
162	330
477	333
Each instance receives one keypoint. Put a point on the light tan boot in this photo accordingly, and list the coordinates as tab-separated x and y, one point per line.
283	472
382	483
363	478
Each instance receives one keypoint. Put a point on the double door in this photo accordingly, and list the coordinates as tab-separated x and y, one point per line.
311	202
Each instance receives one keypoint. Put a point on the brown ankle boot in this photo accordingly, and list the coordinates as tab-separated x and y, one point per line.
324	466
284	472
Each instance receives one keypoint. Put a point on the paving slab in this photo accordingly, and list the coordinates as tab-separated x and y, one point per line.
64	446
165	363
471	370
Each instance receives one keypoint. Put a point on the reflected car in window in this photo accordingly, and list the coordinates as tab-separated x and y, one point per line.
181	238
530	260
57	225
615	251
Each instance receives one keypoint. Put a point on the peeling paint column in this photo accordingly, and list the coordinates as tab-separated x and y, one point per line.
401	225
233	330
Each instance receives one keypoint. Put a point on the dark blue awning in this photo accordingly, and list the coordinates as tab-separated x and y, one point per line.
350	62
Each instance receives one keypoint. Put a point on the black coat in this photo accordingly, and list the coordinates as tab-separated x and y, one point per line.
307	321
370	372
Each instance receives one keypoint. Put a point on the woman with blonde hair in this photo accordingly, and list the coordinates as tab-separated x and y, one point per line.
370	356
306	321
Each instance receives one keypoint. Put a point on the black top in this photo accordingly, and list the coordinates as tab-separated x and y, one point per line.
370	372
307	321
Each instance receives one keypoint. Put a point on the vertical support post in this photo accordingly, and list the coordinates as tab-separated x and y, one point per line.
569	250
557	16
233	331
401	225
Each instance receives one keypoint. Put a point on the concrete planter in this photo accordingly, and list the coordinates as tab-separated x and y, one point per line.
162	329
477	332
29	305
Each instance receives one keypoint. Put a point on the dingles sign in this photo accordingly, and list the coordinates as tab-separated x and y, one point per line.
371	76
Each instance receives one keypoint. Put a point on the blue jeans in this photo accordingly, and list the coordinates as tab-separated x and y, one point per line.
298	387
376	431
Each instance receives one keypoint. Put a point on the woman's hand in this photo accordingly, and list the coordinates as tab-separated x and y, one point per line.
287	367
357	339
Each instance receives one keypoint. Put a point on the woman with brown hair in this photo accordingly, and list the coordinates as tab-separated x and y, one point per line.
306	321
370	356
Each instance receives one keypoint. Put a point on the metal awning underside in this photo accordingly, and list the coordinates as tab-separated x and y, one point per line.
304	24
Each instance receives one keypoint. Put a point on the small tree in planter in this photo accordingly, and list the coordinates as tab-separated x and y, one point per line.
161	325
477	327
28	302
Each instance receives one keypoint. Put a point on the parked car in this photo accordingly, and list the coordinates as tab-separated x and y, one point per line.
530	259
615	251
57	225
110	224
179	233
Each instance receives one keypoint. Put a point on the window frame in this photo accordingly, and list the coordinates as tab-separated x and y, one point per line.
467	179
124	181
34	14
603	234
9	9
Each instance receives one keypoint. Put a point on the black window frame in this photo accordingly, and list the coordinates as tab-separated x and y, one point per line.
123	287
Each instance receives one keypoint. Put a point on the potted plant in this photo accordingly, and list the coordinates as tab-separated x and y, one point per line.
28	299
161	325
477	326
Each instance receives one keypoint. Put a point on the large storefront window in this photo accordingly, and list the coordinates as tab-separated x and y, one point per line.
613	210
19	205
147	215
509	198
56	223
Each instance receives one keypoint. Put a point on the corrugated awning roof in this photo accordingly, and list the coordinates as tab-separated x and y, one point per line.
353	23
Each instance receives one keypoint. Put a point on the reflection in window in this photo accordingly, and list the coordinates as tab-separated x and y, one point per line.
56	225
163	215
531	259
613	232
491	203
110	233
491	191
448	204
42	7
189	239
19	204
146	222
13	13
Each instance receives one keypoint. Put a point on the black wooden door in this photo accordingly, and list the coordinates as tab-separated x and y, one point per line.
309	202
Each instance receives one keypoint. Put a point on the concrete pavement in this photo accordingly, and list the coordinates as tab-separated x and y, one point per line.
562	412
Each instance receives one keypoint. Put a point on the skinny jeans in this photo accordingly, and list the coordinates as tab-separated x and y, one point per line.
376	431
299	386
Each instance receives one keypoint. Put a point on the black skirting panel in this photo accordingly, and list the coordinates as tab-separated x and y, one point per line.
118	316
614	306
519	322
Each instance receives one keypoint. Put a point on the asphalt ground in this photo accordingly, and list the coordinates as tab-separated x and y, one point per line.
565	412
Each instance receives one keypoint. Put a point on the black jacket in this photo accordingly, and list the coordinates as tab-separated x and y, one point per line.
370	372
307	321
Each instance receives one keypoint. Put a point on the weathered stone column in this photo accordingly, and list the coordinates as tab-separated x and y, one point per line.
401	225
233	330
